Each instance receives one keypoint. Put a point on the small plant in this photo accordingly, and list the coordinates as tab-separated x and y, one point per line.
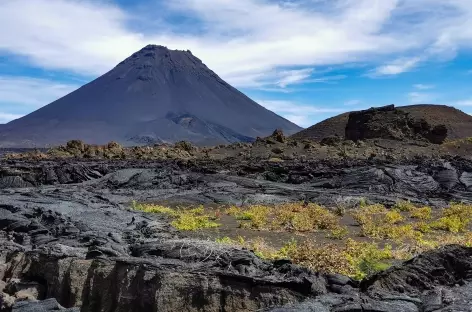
452	224
155	209
367	258
338	233
233	211
184	219
393	217
423	213
362	202
423	227
404	206
340	210
192	222
258	216
225	240
376	221
455	218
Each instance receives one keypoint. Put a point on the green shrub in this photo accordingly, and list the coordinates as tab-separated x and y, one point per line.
184	219
423	213
404	206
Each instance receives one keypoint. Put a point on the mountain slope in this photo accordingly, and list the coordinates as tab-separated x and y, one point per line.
458	123
155	95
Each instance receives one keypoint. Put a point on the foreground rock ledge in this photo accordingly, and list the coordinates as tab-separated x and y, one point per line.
431	282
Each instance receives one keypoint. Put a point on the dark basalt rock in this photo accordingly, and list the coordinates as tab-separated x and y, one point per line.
331	140
389	122
79	244
41	306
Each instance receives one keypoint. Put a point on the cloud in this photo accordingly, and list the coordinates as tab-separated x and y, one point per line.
396	67
25	91
275	79
467	102
352	102
290	77
7	117
301	114
423	86
247	42
240	39
421	97
302	120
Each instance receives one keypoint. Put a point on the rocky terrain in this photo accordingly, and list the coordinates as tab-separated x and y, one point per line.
68	234
71	239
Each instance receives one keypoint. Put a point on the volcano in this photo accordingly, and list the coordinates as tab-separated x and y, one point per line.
156	95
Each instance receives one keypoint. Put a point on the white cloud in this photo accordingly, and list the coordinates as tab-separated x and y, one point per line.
421	97
467	102
352	102
249	43
301	114
240	39
423	86
302	120
290	77
31	92
7	117
396	67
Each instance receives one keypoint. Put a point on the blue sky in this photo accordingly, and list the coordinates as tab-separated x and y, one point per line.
306	60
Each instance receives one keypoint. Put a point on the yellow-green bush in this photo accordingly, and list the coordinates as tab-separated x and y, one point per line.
338	233
423	213
367	258
393	217
423	227
286	217
366	214
452	224
154	209
355	259
193	222
376	221
184	219
458	209
455	218
404	206
304	218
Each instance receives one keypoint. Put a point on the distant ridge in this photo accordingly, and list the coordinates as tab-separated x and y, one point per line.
156	95
458	123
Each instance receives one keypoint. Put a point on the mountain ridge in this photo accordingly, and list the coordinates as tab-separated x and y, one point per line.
135	99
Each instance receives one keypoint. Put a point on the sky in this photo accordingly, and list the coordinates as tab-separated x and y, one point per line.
306	60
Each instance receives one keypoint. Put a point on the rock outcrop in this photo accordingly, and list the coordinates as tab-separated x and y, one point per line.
389	122
457	123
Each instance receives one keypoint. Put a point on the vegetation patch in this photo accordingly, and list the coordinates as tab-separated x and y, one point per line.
357	242
183	219
292	217
355	259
